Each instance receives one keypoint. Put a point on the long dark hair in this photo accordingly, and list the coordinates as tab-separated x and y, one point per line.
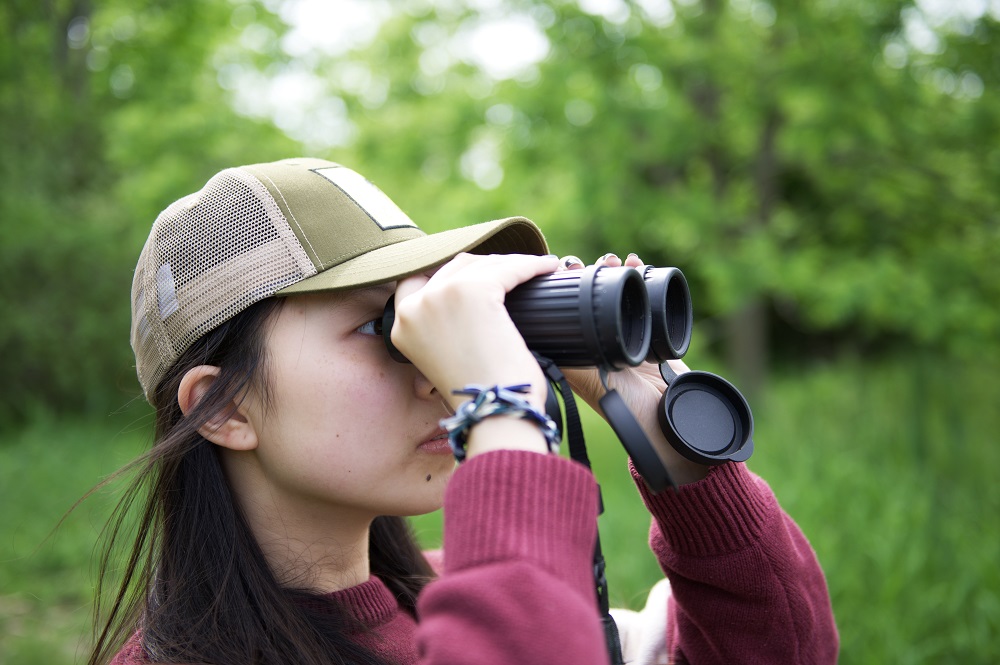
193	579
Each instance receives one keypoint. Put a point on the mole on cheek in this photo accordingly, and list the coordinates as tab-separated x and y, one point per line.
428	479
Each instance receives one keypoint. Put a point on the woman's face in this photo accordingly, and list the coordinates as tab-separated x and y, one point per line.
343	425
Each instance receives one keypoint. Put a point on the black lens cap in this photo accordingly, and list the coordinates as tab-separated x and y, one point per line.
705	418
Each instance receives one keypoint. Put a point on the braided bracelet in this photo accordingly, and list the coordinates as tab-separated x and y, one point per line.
495	401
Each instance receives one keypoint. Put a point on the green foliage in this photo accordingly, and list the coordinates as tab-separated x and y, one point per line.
772	150
799	161
105	117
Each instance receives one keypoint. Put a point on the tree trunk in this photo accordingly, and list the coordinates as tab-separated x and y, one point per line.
746	331
747	358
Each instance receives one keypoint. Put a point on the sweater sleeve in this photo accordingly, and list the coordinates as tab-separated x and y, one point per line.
517	586
747	587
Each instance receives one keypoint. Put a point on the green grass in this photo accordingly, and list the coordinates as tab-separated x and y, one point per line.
888	469
45	572
891	473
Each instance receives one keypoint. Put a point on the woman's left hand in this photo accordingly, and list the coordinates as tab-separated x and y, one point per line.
640	387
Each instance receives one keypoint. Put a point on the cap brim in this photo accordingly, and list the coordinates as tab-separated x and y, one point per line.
513	235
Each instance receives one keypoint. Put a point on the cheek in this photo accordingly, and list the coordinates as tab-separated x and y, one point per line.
324	413
347	397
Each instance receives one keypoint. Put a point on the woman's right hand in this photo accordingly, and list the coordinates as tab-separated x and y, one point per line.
453	326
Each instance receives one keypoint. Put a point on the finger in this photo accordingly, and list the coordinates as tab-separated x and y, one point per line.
571	263
633	261
515	269
506	270
453	265
610	259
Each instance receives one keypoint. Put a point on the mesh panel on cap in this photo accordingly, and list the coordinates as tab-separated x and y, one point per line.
209	256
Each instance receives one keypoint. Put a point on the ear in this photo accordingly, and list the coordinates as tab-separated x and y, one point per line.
230	428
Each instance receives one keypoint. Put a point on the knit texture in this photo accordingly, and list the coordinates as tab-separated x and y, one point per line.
747	587
390	629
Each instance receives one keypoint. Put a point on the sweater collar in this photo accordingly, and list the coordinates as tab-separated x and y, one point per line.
371	602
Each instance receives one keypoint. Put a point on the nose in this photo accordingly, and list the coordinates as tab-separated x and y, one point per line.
424	388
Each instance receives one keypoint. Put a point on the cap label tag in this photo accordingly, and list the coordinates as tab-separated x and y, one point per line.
166	291
369	198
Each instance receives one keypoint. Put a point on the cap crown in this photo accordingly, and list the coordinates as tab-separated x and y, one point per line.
291	226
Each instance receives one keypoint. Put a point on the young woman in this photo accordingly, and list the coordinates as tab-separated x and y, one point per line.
289	447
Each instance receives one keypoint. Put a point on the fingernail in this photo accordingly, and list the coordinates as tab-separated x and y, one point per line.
632	255
571	260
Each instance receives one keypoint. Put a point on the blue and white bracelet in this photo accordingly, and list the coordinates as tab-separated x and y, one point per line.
488	401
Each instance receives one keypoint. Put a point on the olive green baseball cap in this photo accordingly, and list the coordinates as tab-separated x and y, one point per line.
293	226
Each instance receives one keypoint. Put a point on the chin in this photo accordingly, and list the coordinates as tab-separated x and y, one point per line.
425	504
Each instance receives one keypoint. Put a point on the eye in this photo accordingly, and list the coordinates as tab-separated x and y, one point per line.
373	327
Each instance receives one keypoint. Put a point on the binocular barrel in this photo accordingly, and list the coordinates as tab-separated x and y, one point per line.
581	318
599	316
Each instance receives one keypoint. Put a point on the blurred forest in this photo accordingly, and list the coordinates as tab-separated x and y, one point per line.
827	175
827	180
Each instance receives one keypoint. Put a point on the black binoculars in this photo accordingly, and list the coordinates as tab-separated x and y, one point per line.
612	318
597	317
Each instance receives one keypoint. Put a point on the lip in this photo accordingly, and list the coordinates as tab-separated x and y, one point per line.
436	443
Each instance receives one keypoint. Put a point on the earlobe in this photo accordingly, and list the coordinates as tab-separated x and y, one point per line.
229	428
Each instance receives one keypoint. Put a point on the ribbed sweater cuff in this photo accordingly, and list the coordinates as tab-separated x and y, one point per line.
514	505
723	513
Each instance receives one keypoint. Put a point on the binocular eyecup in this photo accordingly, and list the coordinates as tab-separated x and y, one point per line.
596	317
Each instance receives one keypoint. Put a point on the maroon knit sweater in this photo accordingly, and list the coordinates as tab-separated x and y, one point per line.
517	585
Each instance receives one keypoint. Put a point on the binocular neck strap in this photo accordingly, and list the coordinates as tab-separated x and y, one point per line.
574	429
578	452
632	437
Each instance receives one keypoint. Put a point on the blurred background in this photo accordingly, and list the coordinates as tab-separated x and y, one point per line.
827	175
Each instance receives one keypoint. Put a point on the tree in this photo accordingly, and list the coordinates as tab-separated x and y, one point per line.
803	179
106	115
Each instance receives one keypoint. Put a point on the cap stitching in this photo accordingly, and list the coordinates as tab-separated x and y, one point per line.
322	264
367	248
452	249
